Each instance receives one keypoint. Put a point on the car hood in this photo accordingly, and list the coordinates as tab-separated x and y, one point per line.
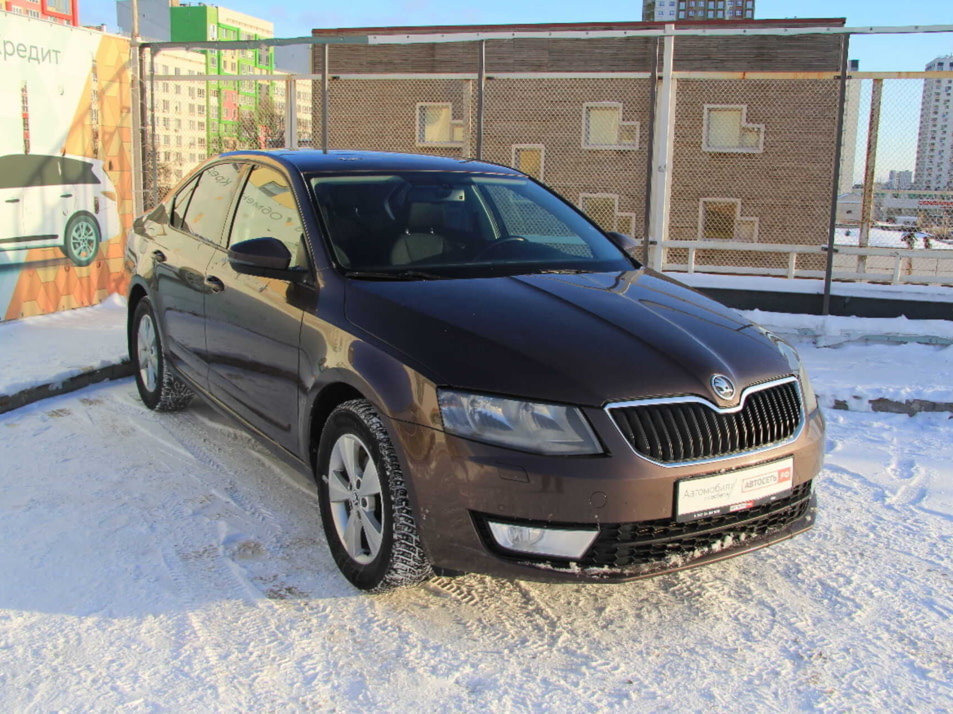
583	339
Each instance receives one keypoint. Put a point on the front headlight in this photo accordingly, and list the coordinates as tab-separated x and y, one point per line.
528	426
794	361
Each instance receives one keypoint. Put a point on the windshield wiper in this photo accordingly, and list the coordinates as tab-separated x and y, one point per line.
393	275
563	271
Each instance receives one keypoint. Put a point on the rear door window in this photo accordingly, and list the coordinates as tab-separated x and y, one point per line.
208	209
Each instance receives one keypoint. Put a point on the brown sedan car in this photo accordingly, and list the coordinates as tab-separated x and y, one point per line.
478	377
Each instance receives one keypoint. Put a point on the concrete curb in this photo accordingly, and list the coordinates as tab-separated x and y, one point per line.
120	370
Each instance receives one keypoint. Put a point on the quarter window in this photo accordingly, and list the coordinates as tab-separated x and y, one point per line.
208	209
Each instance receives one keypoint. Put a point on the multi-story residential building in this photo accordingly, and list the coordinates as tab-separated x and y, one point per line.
900	180
303	107
180	109
672	10
65	12
234	106
934	169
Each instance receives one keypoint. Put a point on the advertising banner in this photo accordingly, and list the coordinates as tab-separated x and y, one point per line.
65	166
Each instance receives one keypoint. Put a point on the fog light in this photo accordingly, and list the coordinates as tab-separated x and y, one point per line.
559	543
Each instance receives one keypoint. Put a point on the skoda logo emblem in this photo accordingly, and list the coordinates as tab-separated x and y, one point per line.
722	386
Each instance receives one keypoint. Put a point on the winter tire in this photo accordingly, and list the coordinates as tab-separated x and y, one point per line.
365	509
82	238
158	387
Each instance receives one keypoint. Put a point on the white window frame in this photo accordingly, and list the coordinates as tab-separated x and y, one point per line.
752	221
454	124
616	214
609	147
744	125
532	147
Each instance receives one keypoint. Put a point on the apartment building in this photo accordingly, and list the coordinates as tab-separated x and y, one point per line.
934	169
180	111
752	160
234	105
302	98
672	10
65	12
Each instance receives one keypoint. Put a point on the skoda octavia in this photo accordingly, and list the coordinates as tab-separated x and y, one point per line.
478	377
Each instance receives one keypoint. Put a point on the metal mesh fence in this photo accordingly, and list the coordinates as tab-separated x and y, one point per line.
586	137
746	166
752	164
900	228
406	114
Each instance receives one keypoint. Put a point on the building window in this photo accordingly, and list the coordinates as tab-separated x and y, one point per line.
603	128
720	219
725	130
603	210
436	126
529	159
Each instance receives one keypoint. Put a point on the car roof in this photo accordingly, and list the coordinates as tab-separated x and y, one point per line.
308	160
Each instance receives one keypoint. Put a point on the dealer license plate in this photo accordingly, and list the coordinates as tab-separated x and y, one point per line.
739	490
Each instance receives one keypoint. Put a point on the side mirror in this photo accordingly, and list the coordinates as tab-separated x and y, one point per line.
626	244
265	257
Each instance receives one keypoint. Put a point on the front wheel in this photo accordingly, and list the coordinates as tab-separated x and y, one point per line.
82	239
365	509
158	387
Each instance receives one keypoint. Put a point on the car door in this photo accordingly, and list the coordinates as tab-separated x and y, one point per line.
183	249
253	324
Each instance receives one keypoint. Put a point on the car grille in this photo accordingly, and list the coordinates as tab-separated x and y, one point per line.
666	542
684	431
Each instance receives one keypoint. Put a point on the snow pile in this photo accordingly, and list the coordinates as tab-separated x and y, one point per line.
855	360
165	562
53	348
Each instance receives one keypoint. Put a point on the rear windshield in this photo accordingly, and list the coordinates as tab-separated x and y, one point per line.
431	224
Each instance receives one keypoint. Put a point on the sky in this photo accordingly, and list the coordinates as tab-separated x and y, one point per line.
296	18
901	108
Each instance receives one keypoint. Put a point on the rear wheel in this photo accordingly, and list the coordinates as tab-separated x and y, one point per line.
365	509
158	387
82	239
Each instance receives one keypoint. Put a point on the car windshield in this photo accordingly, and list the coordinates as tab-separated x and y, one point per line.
420	225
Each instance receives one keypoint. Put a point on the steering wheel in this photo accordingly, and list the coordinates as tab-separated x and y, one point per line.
496	245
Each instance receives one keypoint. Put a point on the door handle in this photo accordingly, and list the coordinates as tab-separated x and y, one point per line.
66	195
12	200
158	256
214	283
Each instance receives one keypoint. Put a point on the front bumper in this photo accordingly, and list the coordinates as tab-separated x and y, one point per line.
458	484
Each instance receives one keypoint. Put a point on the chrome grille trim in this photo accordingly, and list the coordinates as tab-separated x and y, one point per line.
693	399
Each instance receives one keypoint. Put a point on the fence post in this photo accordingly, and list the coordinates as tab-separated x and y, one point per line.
662	153
832	227
324	101
153	135
649	159
867	204
481	88
291	113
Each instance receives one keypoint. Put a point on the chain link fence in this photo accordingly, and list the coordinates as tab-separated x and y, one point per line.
741	175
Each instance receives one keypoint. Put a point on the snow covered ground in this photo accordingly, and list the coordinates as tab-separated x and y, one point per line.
886	238
52	348
163	562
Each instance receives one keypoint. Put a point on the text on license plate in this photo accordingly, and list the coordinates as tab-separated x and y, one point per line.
733	491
